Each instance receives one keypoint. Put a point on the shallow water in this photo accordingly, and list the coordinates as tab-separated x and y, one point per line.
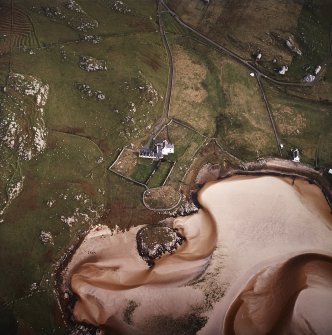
244	226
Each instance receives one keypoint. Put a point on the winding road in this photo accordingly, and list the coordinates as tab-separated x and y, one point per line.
232	54
167	100
207	41
170	63
258	73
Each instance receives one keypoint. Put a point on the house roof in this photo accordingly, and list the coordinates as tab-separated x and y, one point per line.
157	150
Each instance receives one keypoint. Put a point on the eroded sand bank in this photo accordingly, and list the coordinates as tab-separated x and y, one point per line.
291	297
107	273
245	225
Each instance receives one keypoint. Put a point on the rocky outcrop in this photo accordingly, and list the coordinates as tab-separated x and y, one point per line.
155	240
290	43
22	127
72	14
46	237
91	64
88	91
121	7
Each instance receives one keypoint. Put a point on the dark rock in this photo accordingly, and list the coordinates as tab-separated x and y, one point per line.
155	240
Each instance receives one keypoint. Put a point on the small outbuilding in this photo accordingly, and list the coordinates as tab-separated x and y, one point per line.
295	155
317	69
283	69
309	78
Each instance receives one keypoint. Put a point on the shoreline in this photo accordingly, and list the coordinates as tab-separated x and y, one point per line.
279	168
268	167
281	263
307	241
225	307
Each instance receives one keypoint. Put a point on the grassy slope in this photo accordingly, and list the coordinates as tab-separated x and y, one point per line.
313	35
301	124
160	175
240	27
196	99
81	131
243	127
236	113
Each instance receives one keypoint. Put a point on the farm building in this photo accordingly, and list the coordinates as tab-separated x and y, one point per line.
158	150
295	155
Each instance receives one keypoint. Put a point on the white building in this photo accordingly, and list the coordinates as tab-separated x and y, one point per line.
309	78
283	69
158	150
317	69
296	155
168	148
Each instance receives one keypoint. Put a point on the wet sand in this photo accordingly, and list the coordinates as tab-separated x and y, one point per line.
245	224
107	273
292	297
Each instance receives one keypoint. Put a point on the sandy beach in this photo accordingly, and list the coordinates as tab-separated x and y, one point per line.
251	233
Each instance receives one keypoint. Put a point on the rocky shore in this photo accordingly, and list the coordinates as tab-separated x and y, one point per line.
153	241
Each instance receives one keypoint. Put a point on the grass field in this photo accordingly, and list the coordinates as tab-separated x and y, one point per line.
143	169
187	143
159	177
163	197
240	28
67	188
195	99
243	126
313	32
219	98
329	73
303	125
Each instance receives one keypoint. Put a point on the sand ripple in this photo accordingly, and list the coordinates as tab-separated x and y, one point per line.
246	224
292	297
